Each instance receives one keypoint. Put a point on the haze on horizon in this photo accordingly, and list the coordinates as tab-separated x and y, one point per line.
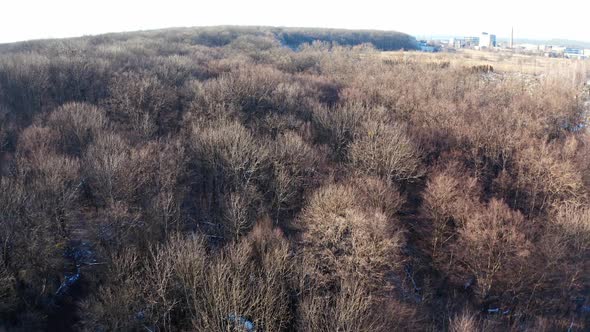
39	19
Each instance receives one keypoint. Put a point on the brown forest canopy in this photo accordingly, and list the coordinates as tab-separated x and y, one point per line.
224	35
212	179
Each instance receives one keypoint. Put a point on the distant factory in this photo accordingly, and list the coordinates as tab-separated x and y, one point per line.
554	51
487	41
484	40
575	53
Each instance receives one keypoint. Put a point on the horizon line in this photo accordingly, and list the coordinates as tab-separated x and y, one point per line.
415	35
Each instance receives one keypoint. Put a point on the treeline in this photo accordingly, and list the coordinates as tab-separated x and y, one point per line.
382	40
225	35
151	182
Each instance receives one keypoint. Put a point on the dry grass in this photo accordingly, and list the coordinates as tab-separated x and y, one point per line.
502	62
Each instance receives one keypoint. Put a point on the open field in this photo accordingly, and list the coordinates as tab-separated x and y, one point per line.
501	61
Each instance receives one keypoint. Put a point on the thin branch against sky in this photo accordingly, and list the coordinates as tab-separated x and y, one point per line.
35	19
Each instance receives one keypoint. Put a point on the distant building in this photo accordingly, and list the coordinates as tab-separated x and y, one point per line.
468	42
427	47
457	42
573	53
552	51
487	40
471	41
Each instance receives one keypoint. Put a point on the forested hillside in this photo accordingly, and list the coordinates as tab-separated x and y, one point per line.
225	35
253	179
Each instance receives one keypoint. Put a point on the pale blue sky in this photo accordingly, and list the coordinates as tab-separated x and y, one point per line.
540	19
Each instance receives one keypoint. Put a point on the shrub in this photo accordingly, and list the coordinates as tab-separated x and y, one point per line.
543	178
148	177
465	322
77	125
233	167
8	292
31	254
4	129
386	151
248	90
77	78
241	209
350	309
37	140
337	127
180	285
53	181
119	304
492	245
143	102
349	306
175	70
24	80
106	168
475	244
164	166
294	167
117	226
230	154
344	238
250	281
574	222
378	194
556	267
449	198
